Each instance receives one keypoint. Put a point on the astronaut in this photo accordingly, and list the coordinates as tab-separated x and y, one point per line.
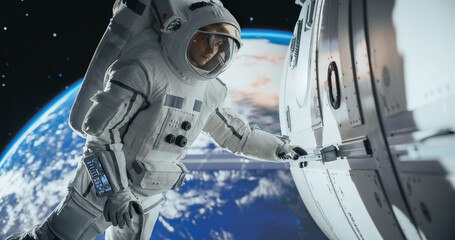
158	96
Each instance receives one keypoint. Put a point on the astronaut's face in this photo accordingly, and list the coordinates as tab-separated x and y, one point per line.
203	47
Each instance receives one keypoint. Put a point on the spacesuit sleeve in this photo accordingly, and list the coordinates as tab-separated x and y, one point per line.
108	118
230	130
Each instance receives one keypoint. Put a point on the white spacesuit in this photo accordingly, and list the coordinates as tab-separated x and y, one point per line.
158	96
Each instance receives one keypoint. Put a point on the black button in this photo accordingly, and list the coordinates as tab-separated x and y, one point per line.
181	141
170	138
186	125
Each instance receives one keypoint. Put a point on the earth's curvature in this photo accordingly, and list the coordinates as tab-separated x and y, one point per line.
224	197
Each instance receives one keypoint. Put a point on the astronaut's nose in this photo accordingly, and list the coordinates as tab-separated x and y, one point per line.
210	49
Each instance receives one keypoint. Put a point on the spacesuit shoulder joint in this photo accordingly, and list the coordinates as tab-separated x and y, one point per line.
130	74
122	85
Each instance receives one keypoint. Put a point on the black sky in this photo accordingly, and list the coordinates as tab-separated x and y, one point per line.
46	46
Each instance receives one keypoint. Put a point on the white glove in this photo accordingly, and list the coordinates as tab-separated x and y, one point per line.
119	206
287	151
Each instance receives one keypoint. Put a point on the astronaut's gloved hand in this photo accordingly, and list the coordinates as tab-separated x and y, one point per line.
287	151
119	207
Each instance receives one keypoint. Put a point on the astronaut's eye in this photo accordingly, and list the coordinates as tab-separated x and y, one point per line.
206	39
218	43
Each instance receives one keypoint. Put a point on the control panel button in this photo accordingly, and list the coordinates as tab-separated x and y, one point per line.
186	125
181	141
170	138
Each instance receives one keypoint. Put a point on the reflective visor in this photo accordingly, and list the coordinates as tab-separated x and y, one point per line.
222	28
212	48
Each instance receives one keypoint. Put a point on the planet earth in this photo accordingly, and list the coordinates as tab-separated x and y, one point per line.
224	197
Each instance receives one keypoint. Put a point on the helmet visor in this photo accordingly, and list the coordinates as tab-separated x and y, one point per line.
211	49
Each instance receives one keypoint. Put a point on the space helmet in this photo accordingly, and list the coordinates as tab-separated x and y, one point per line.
200	39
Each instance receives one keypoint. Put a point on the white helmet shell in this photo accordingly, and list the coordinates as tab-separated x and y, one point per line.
195	16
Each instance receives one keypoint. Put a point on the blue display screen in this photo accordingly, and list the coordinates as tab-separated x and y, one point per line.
99	177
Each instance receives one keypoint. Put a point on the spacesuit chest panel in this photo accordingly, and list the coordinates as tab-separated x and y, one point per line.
180	117
182	112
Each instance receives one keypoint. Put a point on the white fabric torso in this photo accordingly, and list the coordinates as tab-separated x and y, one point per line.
172	102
